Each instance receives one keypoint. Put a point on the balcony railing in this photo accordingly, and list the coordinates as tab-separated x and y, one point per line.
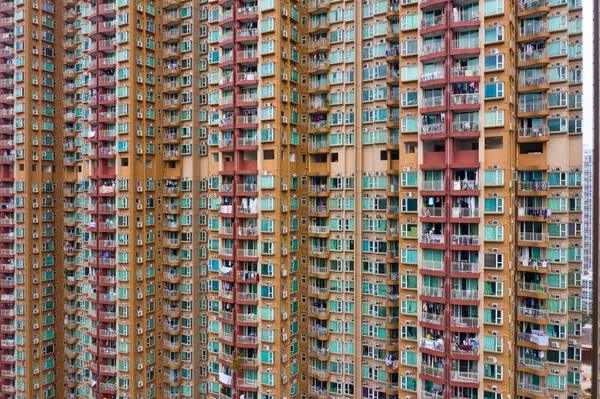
465	212
465	99
532	312
532	29
437	101
532	55
427	238
433	128
437	372
432	265
537	131
465	16
464	239
465	71
539	185
432	292
432	22
535	389
436	185
467	376
471	322
432	318
526	5
535	237
465	44
465	267
533	106
433	48
466	295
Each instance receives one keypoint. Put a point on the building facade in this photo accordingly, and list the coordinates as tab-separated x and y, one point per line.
280	199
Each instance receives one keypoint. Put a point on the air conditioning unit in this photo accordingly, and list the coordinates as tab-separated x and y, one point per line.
140	366
139	79
139	151
139	44
284	294
36	386
140	313
36	340
36	326
140	242
284	337
140	278
140	331
140	349
284	119
139	207
139	190
139	97
140	384
284	315
555	345
139	225
285	98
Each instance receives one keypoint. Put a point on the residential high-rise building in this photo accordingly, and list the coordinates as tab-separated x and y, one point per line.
281	199
588	209
587	293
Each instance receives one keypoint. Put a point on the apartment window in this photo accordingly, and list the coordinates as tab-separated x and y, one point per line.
494	90
557	74
493	233
494	118
494	34
492	7
557	23
493	343
409	22
494	205
494	62
493	316
557	48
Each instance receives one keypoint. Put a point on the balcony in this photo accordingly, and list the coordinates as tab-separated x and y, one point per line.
533	313
540	340
465	376
465	72
465	322
533	30
320	373
532	363
434	239
533	57
539	185
432	102
436	372
432	318
433	265
433	128
431	49
465	99
533	106
434	292
436	345
536	390
533	237
466	44
465	267
465	239
433	185
465	295
429	24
